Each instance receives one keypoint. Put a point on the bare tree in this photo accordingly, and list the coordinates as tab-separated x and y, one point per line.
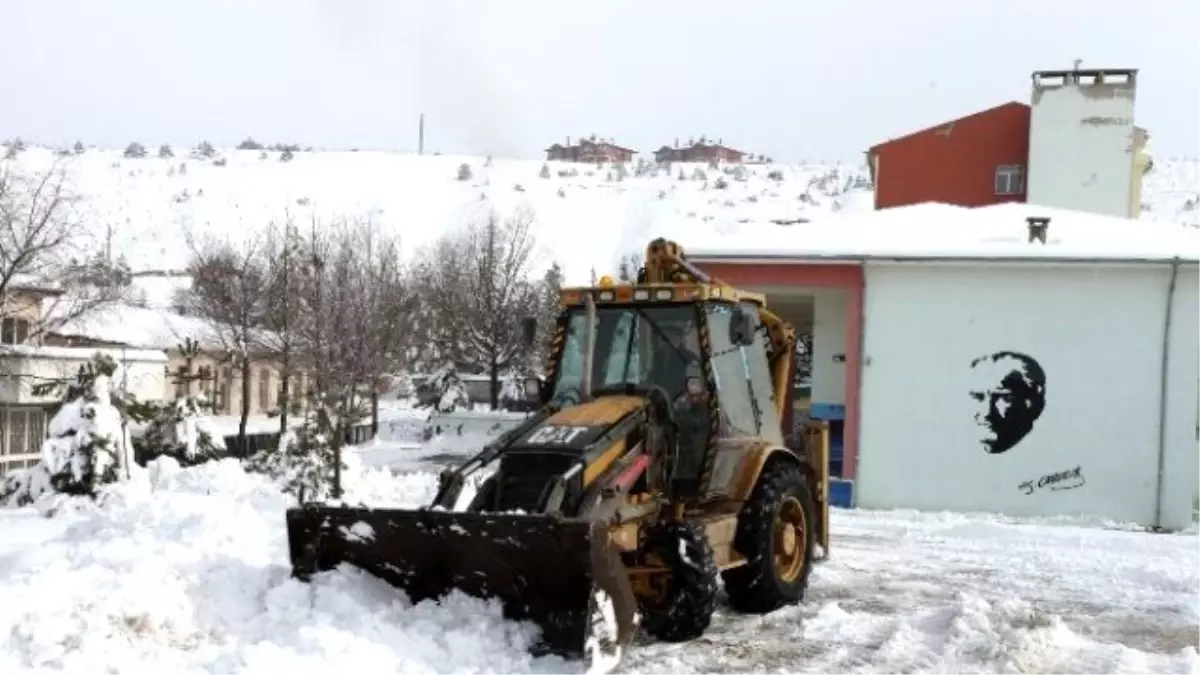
333	334
229	291
478	281
384	307
283	261
48	258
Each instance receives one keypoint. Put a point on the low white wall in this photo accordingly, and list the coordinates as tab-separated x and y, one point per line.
1062	362
141	372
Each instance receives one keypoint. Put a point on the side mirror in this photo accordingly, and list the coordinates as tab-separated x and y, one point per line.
741	327
529	330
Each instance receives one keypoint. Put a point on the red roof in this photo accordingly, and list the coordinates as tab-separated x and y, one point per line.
875	148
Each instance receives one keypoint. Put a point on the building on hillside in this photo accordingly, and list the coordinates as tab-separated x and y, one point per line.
1074	146
166	331
589	150
699	151
1011	358
28	357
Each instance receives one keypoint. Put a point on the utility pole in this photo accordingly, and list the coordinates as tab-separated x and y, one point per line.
421	135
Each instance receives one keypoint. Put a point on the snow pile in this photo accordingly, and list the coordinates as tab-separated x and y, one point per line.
186	571
904	592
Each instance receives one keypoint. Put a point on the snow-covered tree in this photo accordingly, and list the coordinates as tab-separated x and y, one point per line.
165	151
305	462
444	390
135	150
87	443
184	429
464	171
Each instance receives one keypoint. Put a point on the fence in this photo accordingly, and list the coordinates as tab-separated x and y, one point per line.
355	435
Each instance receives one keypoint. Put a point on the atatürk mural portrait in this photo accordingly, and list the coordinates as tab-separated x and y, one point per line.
1009	390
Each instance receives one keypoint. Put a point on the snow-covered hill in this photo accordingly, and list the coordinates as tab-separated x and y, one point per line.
583	218
586	216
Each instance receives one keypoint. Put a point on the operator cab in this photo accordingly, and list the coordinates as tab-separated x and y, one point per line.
643	344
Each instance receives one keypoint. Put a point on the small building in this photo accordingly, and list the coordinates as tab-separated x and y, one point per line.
1012	358
28	357
127	326
590	150
1074	146
699	151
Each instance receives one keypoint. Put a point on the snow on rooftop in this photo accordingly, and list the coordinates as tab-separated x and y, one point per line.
935	230
142	327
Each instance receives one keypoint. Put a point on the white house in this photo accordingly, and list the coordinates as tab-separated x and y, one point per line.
971	366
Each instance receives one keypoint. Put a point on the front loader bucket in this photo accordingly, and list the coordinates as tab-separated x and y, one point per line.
562	575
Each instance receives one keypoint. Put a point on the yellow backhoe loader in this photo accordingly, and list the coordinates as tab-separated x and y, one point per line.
655	462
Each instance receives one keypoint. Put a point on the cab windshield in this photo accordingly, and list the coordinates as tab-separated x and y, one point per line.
637	347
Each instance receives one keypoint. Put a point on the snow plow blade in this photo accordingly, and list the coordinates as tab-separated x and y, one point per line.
562	575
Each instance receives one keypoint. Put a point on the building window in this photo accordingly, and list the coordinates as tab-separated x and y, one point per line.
264	389
223	404
181	382
14	331
22	430
1010	179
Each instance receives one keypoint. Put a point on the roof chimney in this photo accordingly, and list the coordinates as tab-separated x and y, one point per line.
676	141
1037	228
568	142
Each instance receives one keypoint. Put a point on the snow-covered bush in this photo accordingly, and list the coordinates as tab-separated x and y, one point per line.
184	430
305	461
464	171
165	151
87	441
444	390
545	172
135	150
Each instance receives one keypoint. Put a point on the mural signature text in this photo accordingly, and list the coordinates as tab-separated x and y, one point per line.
1059	480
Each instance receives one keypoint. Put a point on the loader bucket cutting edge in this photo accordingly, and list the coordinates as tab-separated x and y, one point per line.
562	575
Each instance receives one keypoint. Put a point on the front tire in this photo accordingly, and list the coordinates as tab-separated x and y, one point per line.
687	595
776	534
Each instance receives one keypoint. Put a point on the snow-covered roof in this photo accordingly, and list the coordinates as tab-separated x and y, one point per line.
140	327
942	231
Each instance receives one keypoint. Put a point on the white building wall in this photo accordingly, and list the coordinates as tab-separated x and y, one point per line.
140	372
1096	331
1081	144
829	343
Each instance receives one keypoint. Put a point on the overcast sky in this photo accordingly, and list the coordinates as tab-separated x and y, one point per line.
792	79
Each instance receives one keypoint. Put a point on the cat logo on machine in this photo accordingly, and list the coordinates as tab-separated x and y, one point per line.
560	434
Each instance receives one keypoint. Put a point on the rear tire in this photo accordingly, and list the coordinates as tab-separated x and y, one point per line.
774	524
685	606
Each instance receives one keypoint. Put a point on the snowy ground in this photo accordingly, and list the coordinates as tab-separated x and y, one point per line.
185	571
